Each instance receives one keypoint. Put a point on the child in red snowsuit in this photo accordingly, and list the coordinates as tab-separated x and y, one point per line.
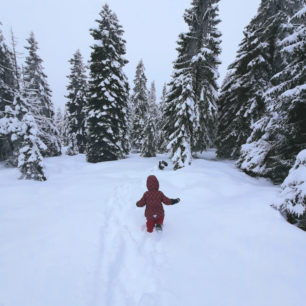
153	199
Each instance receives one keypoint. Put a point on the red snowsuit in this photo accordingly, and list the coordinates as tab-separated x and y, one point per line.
153	199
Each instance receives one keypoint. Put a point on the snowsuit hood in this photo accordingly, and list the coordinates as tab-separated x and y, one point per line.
152	183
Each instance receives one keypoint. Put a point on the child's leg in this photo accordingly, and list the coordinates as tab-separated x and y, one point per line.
160	220
150	225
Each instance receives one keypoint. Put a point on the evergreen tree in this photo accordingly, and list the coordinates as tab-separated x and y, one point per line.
108	92
19	143
242	101
190	112
149	142
73	148
292	199
7	86
161	139
59	123
280	134
76	105
30	161
38	93
139	101
65	140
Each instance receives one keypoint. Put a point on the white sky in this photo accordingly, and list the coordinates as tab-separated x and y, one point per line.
151	31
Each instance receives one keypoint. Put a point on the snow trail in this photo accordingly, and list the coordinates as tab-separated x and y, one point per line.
79	239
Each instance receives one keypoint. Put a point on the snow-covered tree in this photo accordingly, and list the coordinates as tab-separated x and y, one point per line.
37	92
59	123
108	92
292	199
30	160
76	105
19	126
149	141
280	133
161	139
148	148
73	148
139	101
242	97
190	111
19	141
7	86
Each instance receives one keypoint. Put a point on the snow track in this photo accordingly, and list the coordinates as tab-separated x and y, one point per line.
79	239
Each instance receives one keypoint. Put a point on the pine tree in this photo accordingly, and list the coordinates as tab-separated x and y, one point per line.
139	101
161	139
19	143
280	134
292	199
108	92
38	93
73	148
190	112
242	101
7	86
59	123
76	105
30	160
149	142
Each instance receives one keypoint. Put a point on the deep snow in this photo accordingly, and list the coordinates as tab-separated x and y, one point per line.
79	239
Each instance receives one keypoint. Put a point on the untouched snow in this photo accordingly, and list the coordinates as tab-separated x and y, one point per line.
79	239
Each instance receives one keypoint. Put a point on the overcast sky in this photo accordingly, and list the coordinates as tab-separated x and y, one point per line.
151	31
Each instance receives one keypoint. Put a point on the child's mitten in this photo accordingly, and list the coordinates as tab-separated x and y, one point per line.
175	201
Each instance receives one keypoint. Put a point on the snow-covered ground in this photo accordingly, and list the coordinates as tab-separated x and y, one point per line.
79	239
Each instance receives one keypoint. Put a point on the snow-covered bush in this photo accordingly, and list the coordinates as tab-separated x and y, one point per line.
292	199
30	160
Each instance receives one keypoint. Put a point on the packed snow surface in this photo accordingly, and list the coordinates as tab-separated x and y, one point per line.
79	239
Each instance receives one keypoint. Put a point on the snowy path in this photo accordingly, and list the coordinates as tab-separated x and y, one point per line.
79	239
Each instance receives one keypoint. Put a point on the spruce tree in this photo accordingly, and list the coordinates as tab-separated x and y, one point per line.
292	198
76	105
108	92
139	101
242	96
59	123
149	141
190	111
161	139
30	160
7	86
19	143
280	134
38	94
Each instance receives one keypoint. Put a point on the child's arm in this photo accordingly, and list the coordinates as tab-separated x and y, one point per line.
168	201
142	201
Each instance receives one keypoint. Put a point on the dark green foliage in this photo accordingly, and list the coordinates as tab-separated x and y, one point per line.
140	106
108	92
76	105
7	86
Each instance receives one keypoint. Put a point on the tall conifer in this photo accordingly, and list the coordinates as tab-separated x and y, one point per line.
108	92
